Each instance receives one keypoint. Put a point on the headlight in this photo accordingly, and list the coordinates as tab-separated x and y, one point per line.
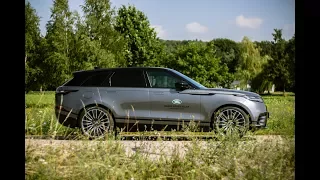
254	98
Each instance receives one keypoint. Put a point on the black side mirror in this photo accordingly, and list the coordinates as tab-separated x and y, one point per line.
180	86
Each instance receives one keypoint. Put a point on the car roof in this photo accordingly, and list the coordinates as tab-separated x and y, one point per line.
111	69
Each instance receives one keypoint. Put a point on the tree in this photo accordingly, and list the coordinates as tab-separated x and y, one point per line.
142	43
251	61
265	47
105	46
229	52
290	50
32	47
279	66
59	36
198	61
79	46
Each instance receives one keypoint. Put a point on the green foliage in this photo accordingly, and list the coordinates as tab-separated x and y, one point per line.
260	82
105	45
265	47
229	51
198	61
142	43
58	39
32	47
290	50
104	38
251	62
282	114
280	69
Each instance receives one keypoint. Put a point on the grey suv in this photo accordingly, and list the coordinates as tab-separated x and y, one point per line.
99	100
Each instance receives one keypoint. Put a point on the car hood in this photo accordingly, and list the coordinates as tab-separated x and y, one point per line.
220	91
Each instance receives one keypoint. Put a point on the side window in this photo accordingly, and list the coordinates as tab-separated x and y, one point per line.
128	78
97	80
77	80
161	79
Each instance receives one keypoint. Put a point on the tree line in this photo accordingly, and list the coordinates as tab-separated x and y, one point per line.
106	37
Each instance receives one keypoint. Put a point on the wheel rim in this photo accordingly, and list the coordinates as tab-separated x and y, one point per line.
95	122
231	120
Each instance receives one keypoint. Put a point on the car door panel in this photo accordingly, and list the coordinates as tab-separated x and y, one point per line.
132	103
162	107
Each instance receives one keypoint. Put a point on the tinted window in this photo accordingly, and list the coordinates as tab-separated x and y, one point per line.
162	79
200	86
99	79
77	80
128	78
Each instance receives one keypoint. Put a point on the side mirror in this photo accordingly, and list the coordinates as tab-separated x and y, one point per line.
180	86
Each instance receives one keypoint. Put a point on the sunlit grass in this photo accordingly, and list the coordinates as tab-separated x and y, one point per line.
223	159
282	115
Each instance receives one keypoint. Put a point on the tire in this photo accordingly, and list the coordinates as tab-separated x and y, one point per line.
96	122
231	120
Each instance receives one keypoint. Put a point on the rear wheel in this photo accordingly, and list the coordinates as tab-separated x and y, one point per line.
231	120
96	122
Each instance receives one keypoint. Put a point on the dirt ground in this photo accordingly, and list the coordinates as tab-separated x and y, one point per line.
151	148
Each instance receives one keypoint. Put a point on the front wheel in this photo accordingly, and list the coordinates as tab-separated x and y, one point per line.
96	121
231	120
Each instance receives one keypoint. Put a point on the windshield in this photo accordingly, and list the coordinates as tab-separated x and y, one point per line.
200	86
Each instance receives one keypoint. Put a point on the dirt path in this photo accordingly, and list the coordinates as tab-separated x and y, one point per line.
153	149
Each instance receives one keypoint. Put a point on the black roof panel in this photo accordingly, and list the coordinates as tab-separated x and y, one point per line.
108	69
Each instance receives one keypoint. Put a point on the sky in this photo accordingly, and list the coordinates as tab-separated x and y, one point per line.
202	19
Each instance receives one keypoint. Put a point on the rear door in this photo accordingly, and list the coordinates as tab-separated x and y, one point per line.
129	95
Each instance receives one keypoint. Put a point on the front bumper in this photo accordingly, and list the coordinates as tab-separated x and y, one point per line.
261	120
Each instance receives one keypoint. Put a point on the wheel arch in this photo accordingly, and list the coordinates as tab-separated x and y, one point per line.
246	110
99	105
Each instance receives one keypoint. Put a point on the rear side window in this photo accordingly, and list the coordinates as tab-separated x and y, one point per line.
128	78
77	80
98	80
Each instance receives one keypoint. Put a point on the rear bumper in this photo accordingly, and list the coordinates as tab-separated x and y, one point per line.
66	117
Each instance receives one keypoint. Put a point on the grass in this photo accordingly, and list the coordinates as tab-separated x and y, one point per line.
282	115
222	158
41	120
40	116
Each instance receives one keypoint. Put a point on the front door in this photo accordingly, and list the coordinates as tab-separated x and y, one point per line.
167	104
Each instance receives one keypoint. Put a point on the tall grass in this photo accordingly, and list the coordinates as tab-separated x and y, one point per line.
223	159
40	116
282	115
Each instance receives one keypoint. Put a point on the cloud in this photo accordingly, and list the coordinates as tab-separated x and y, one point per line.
195	27
161	33
248	22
